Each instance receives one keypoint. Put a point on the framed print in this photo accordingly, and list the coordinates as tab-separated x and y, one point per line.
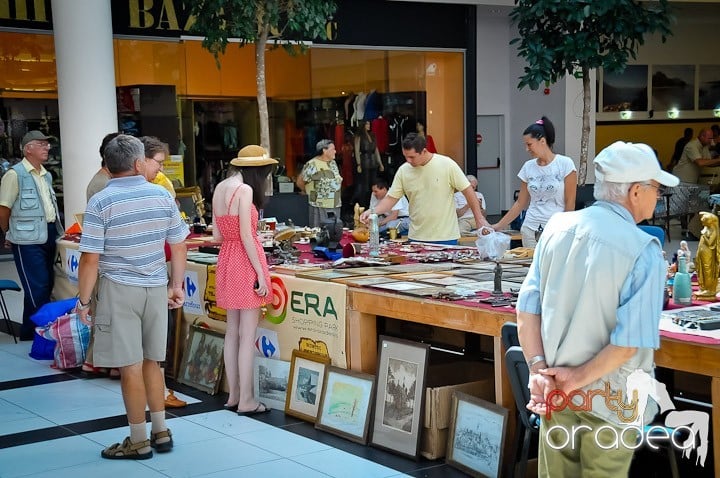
399	400
627	90
476	436
307	375
271	381
190	201
202	364
345	404
709	87
673	86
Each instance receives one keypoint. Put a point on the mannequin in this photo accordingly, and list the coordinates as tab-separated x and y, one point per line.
368	162
420	127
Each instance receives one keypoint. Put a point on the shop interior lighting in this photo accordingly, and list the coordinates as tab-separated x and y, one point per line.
625	114
673	113
716	112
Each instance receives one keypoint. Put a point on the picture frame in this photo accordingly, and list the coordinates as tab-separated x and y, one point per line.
346	404
202	363
400	396
271	381
476	436
191	201
305	383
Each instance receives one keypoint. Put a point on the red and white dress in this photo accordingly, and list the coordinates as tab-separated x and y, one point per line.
235	276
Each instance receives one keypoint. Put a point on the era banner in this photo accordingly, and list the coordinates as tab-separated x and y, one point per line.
308	315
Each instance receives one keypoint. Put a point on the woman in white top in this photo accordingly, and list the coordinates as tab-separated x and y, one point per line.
549	183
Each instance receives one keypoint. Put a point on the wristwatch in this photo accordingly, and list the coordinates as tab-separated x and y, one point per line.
81	306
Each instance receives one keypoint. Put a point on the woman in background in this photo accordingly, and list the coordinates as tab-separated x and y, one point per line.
549	183
242	276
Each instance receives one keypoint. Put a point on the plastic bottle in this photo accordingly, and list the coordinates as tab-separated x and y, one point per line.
682	290
374	236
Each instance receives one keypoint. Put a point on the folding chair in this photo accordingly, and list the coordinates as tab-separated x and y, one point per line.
6	284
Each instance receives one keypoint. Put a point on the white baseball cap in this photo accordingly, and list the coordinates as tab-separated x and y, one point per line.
623	162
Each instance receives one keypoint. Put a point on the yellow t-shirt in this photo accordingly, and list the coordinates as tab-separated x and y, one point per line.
162	180
430	191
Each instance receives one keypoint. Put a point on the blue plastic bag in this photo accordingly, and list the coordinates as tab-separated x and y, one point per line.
42	348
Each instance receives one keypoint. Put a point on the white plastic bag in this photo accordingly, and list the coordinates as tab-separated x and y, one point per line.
492	245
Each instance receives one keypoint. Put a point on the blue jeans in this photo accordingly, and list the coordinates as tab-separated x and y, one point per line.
34	263
451	242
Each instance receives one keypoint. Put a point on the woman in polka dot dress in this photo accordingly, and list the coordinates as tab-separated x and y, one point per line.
242	277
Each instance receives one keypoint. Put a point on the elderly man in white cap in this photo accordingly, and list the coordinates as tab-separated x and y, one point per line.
588	316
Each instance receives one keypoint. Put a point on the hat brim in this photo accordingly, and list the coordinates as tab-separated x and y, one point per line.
667	179
253	161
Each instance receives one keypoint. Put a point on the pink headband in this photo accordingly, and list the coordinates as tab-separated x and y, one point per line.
539	122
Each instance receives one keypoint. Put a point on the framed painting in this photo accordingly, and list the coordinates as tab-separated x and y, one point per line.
402	369
476	437
345	406
271	381
305	383
202	364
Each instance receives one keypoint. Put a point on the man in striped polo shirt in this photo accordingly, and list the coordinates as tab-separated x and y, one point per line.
125	228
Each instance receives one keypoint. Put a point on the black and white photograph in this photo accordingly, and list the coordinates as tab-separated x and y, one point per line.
626	91
305	383
709	87
400	394
271	381
673	87
476	436
402	369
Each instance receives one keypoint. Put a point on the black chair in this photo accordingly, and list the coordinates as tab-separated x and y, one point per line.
509	335
528	422
7	284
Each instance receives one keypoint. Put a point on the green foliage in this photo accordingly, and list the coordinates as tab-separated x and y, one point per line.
558	37
283	22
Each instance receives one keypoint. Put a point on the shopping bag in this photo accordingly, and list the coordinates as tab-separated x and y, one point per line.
71	336
491	244
42	348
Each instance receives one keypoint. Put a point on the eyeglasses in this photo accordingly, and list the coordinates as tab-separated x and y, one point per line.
159	161
41	144
660	189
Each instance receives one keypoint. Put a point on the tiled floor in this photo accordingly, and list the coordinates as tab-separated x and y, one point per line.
55	424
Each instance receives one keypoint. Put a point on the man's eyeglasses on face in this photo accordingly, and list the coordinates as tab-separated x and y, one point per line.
41	144
159	161
659	188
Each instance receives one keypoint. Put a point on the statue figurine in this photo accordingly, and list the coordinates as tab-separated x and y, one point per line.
684	250
707	260
360	233
497	280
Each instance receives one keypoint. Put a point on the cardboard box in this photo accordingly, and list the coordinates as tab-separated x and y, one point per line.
474	378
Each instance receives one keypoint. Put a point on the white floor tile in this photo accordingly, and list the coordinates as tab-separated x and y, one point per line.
26	368
105	469
340	464
276	469
229	423
67	402
208	456
282	442
47	455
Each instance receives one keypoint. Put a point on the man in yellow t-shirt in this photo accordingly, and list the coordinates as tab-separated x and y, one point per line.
429	181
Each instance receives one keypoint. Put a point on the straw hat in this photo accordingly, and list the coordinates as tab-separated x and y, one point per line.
253	155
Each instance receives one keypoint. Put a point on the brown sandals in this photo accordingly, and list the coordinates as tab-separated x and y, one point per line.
128	450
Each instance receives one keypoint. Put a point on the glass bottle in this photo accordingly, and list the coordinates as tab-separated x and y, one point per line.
682	290
374	235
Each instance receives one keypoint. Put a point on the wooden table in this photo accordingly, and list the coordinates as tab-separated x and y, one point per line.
365	305
702	359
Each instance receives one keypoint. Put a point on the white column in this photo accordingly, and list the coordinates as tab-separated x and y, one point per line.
86	91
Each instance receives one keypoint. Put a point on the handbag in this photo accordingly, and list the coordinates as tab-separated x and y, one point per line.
71	336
